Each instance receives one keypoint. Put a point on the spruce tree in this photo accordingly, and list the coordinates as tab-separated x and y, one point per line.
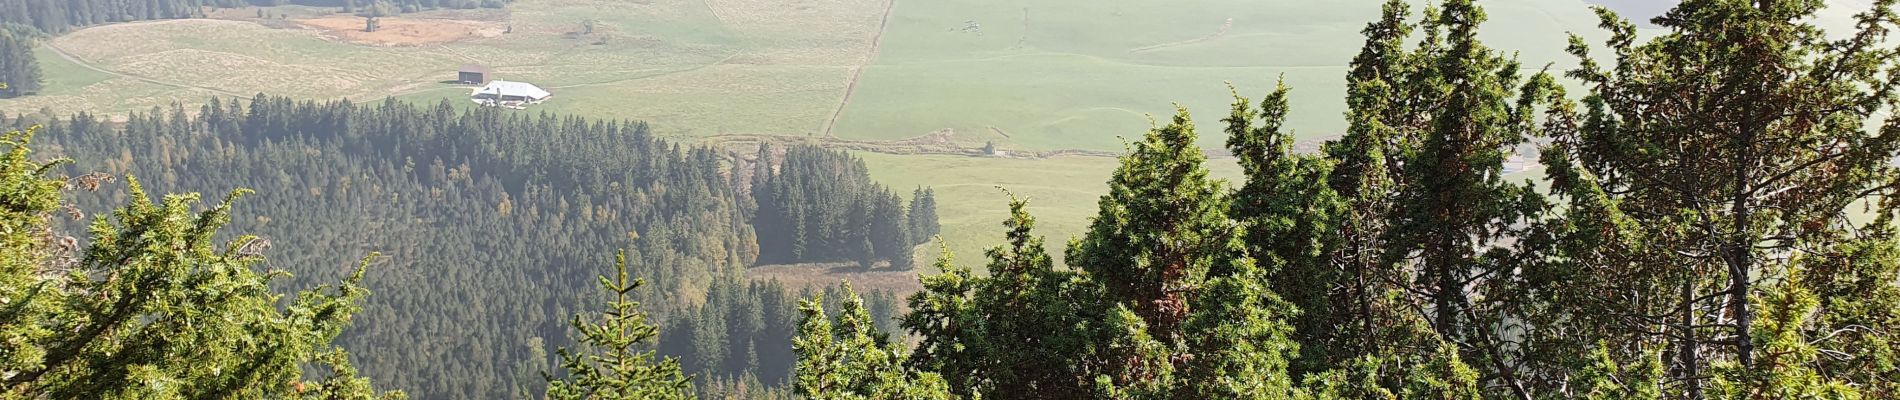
890	234
923	215
848	358
611	363
19	69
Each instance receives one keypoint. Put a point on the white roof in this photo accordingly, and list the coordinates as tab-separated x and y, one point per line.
505	88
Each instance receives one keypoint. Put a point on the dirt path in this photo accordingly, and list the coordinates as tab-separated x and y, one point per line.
83	64
851	84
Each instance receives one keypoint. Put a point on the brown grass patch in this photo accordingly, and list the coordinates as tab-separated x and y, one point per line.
398	31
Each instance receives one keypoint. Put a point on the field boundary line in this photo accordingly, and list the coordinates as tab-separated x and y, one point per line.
851	84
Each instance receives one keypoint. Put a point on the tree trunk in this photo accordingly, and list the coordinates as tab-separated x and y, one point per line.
1688	356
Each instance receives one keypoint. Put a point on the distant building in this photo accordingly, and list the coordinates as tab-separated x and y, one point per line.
509	94
473	73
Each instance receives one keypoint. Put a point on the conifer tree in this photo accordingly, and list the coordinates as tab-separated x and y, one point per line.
1373	332
612	363
1291	215
890	232
19	68
923	215
1707	162
1456	203
1026	329
1161	230
850	359
1166	252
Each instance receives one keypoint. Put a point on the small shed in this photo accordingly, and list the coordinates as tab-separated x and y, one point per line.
473	74
509	94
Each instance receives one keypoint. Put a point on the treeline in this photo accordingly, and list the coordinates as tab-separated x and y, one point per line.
822	207
493	223
55	17
19	68
58	16
1719	222
740	339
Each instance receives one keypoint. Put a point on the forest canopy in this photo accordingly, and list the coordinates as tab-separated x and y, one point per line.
466	206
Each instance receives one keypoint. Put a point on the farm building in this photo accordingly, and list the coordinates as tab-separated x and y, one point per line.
509	94
473	73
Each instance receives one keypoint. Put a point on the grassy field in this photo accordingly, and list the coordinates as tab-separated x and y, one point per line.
1059	74
1078	74
1062	192
693	67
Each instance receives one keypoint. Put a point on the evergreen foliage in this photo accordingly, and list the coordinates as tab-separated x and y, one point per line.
1706	214
742	332
1720	221
18	66
821	206
847	357
61	16
923	215
612	366
1024	328
466	204
1698	240
151	306
469	205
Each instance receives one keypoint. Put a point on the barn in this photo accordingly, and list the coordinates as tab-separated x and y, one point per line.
473	74
509	94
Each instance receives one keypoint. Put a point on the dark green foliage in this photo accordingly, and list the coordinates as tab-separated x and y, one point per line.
612	363
470	203
1026	329
1167	253
1164	304
1707	182
19	70
743	331
849	358
494	223
891	232
822	207
60	16
923	215
1292	215
150	306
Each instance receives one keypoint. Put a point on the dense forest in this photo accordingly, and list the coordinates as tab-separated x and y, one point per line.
822	209
1716	219
59	16
18	66
492	224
